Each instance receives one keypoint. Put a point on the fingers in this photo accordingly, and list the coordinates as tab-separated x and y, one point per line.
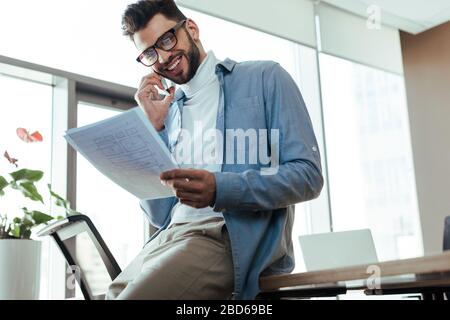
188	196
196	188
181	174
184	185
153	79
189	193
168	99
148	91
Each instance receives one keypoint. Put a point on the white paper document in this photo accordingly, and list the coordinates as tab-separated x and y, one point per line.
128	150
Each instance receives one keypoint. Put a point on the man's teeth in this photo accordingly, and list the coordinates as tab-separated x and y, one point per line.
174	64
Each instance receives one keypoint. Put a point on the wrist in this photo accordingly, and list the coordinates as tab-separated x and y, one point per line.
157	124
213	200
213	188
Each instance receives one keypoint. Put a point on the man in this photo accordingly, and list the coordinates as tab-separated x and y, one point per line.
231	219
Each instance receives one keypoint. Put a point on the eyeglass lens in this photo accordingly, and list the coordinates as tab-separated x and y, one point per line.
166	42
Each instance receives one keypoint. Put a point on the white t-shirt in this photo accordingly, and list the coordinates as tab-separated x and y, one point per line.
196	146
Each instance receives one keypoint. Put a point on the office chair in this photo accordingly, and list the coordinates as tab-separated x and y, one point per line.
79	227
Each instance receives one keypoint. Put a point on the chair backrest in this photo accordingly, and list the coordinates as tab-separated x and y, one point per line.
89	259
447	233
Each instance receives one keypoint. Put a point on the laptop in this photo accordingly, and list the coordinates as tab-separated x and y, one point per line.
338	249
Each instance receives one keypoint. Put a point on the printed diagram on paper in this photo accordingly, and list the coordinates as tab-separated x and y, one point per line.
128	150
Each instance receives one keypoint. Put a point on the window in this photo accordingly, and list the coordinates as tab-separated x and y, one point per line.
83	37
29	105
370	165
116	213
32	111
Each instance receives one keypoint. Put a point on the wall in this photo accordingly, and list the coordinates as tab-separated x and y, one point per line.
426	59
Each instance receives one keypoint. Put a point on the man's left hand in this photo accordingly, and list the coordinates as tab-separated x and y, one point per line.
195	188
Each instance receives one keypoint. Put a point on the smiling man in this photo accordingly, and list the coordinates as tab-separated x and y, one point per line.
231	219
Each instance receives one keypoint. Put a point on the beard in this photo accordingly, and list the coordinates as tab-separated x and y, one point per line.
192	57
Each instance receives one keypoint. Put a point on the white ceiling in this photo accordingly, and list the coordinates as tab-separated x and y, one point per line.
413	16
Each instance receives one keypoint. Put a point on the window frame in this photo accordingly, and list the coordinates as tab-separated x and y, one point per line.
68	90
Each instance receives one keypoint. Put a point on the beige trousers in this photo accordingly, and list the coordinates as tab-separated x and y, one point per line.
185	261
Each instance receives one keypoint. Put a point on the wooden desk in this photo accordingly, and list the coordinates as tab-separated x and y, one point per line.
425	274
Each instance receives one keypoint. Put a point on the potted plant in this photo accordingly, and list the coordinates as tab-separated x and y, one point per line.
20	256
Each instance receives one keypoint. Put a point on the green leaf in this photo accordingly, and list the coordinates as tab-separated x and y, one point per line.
59	201
14	185
26	174
15	231
17	220
29	190
35	217
3	185
28	223
40	217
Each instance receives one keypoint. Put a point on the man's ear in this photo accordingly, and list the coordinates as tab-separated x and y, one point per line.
193	30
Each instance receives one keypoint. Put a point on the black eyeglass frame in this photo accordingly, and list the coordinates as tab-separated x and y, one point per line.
173	31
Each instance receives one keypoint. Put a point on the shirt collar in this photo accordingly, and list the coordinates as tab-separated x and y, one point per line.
203	76
227	64
224	65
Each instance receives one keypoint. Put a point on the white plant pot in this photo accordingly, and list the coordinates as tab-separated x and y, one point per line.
20	269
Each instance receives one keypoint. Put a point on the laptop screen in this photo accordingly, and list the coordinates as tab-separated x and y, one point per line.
338	249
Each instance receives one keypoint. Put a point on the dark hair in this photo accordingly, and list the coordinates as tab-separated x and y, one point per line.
137	15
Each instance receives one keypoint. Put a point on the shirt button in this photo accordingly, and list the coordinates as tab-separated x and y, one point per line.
314	149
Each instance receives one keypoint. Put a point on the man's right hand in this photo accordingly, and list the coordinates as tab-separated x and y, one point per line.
147	98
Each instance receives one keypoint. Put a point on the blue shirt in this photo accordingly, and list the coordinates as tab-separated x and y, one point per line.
258	208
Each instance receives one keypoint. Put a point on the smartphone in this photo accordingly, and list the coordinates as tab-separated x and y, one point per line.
166	86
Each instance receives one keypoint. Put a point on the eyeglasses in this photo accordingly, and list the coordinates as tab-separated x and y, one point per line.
166	42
